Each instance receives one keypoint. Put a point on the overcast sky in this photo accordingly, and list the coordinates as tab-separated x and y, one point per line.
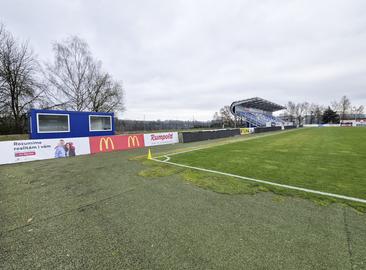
185	59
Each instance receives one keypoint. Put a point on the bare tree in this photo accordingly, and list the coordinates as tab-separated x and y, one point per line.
224	118
300	112
105	94
318	111
77	82
70	74
342	107
297	111
360	109
227	117
291	110
19	86
311	112
217	120
335	106
2	82
345	106
216	117
357	111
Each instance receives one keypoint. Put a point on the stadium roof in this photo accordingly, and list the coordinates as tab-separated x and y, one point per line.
257	103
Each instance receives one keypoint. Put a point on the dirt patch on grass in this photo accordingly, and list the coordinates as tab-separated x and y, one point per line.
229	185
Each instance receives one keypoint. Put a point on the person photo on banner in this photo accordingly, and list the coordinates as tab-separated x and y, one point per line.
60	149
70	149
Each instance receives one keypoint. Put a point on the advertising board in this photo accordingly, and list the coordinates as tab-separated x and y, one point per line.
28	150
245	131
116	143
154	139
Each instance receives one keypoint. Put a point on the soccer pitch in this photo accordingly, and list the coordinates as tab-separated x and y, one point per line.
328	160
119	211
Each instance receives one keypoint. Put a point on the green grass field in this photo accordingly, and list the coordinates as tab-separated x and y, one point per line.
324	159
14	137
118	211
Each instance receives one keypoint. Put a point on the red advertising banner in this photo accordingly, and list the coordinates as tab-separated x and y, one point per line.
116	143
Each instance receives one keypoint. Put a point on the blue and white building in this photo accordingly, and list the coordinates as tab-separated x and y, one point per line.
47	124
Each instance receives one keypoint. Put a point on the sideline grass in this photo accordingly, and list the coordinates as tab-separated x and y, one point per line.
233	186
214	182
14	137
328	159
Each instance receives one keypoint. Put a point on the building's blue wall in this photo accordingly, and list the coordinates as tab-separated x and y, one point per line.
79	125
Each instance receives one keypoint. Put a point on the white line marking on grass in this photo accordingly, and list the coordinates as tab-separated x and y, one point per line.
167	158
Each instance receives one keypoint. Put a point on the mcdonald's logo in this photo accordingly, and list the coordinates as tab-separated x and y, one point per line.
106	142
115	143
134	141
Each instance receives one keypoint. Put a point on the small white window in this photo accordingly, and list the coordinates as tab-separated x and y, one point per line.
100	123
52	123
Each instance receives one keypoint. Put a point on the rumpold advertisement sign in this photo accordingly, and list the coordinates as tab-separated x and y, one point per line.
154	139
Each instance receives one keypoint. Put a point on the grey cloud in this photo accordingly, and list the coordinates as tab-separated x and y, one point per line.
185	59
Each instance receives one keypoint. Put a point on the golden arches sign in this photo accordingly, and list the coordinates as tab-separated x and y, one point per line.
106	142
133	140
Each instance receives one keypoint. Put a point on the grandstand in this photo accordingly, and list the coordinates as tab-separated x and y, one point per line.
257	112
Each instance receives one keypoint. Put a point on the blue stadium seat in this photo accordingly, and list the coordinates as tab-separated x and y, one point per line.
256	119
